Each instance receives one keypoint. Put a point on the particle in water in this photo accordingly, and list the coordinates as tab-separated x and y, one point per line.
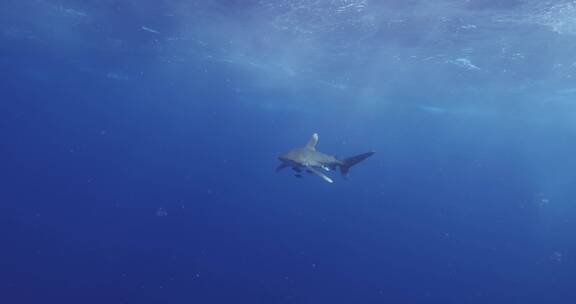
161	212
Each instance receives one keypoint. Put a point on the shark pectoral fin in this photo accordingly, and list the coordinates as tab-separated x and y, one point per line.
281	166
322	175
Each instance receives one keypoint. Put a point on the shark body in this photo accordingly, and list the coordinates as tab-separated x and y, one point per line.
312	161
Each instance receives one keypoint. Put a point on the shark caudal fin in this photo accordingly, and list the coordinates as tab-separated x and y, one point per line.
351	161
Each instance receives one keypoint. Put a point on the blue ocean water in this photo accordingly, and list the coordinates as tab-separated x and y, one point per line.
139	141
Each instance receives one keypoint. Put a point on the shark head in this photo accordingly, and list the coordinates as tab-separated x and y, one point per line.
290	159
288	156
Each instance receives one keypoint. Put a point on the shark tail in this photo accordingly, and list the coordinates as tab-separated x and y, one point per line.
347	163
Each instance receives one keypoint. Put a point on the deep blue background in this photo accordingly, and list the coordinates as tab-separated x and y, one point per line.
139	141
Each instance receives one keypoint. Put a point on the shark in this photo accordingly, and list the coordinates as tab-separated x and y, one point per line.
310	160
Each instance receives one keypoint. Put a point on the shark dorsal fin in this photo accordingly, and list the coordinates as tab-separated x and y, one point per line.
312	142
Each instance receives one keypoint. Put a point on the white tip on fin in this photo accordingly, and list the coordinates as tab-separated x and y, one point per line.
312	142
322	175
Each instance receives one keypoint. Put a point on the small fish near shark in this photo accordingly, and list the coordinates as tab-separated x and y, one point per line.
309	160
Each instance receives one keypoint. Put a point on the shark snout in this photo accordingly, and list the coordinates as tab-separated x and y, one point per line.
284	158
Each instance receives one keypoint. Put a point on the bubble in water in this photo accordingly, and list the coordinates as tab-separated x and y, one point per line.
543	200
161	212
557	257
